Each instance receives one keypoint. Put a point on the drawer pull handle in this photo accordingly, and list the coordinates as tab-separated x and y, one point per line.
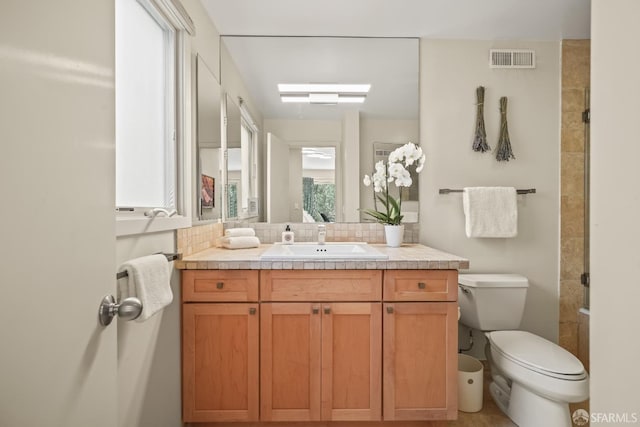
219	285
327	310
252	310
421	285
390	310
315	310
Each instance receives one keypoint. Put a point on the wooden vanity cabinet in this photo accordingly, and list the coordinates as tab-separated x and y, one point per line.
420	343
319	345
220	346
321	360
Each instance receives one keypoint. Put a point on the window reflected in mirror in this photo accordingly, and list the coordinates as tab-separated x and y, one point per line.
208	177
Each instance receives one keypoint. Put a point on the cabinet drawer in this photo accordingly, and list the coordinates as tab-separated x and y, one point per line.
420	285
321	285
219	285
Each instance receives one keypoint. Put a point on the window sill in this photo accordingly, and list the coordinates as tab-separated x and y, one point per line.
128	225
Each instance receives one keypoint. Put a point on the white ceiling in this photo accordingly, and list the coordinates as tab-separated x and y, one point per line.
265	62
460	19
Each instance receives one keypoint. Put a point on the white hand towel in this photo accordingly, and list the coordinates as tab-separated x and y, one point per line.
149	280
238	232
242	242
490	211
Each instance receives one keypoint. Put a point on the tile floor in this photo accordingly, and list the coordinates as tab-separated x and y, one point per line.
491	415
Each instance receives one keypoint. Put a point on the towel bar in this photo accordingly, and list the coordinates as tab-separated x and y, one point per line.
170	257
449	190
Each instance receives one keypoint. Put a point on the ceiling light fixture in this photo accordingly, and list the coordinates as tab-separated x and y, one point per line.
321	93
323	88
323	98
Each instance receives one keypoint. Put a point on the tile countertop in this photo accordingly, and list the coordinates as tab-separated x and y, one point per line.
406	257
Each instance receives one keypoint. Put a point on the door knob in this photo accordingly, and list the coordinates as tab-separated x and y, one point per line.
128	309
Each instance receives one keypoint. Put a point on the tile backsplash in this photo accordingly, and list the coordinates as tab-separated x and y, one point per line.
201	237
336	232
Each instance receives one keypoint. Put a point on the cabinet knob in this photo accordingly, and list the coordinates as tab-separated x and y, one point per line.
390	310
327	310
219	285
252	310
421	285
315	310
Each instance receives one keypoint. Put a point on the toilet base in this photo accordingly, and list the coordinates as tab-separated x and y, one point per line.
528	409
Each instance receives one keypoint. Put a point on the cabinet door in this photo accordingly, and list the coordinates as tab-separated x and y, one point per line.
290	362
420	361
220	362
351	361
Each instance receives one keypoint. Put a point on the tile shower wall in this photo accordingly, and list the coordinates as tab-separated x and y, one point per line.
575	79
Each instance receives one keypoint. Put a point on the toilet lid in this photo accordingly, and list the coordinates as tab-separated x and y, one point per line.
537	353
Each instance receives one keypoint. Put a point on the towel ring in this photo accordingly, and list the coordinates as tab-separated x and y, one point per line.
128	309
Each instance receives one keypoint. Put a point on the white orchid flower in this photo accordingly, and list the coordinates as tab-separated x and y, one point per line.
411	153
421	163
366	181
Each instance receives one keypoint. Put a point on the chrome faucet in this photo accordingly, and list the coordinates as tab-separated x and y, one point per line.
322	234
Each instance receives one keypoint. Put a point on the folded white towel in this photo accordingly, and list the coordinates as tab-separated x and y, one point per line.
241	242
490	211
238	232
149	280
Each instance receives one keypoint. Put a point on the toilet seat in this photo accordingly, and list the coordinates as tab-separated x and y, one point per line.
537	354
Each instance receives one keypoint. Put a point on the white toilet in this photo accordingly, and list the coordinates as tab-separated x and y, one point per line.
533	379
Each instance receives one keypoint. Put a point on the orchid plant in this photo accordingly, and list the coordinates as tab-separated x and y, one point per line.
395	170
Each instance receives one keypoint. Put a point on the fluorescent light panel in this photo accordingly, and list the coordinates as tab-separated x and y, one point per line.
323	88
307	99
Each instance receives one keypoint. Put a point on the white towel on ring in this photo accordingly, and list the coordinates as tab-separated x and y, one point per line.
149	280
238	232
490	211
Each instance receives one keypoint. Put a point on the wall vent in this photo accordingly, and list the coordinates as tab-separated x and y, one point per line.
512	58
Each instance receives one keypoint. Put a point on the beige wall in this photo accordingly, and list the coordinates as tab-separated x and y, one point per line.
615	203
450	71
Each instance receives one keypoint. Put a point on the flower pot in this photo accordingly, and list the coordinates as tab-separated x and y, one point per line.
393	235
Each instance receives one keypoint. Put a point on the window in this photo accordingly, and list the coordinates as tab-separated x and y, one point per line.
145	107
152	58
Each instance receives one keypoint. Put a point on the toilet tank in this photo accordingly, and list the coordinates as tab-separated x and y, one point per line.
492	302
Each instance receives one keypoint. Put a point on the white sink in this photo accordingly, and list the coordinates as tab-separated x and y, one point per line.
313	251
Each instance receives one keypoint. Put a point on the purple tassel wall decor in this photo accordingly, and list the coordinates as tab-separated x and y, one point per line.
480	138
503	151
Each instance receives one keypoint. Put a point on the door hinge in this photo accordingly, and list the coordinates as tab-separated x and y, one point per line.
586	116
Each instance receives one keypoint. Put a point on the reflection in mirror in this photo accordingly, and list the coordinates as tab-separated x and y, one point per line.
409	195
208	177
389	113
234	160
301	182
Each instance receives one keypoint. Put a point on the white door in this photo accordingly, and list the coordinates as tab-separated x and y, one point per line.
57	240
277	179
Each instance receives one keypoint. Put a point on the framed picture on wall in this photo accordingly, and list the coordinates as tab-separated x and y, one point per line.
207	194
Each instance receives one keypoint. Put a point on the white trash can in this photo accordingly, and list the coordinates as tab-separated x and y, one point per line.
470	372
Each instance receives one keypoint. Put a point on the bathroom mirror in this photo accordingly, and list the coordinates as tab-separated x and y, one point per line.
208	176
389	113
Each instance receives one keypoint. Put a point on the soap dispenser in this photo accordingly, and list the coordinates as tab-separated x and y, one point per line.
287	236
